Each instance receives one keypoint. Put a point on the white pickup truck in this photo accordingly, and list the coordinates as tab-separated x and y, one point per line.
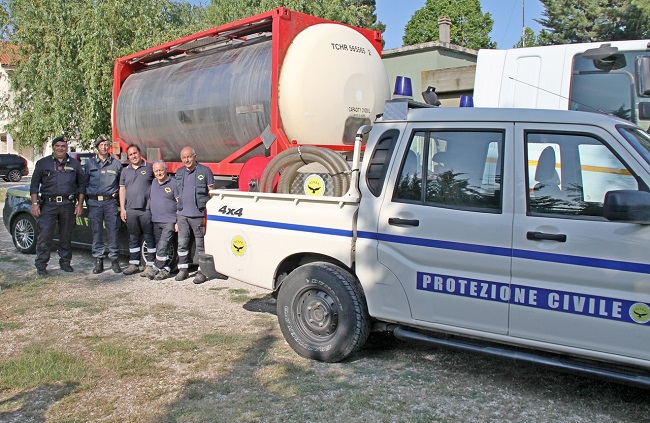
526	230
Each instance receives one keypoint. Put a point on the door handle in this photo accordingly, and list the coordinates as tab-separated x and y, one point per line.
537	236
406	222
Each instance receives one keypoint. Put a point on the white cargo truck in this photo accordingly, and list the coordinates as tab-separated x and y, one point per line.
448	235
611	78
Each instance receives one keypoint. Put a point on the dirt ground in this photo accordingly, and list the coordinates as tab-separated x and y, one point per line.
174	351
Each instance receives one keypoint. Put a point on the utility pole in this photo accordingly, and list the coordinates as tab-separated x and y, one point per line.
523	24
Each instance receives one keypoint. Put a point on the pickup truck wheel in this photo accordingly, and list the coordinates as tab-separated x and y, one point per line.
23	233
322	312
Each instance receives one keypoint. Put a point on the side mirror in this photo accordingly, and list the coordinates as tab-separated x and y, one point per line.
643	75
627	206
644	110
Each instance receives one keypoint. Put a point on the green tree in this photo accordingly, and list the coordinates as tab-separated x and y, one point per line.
575	21
469	26
529	39
5	20
63	82
359	13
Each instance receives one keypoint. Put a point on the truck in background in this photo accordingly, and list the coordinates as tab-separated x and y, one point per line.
251	88
611	78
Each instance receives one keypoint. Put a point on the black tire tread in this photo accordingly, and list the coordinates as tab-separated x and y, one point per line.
355	293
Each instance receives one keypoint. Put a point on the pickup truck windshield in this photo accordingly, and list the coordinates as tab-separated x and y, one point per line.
639	139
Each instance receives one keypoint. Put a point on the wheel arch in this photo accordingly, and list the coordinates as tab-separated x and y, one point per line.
294	261
16	214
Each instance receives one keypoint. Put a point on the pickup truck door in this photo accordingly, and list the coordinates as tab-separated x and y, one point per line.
579	280
445	224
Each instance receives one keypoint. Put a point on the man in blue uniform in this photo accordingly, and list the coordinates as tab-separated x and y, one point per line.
135	184
163	214
103	173
61	183
194	184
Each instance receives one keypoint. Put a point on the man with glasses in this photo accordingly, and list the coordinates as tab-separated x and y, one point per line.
57	189
103	173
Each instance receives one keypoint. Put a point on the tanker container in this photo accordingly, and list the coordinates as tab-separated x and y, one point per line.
255	87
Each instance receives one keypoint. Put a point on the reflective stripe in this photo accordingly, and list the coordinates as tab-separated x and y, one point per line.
149	263
161	258
136	262
183	266
183	253
134	250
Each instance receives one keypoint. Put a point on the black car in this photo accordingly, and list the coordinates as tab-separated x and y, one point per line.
81	157
13	167
20	223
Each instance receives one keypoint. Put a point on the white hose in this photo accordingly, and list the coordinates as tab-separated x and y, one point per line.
290	161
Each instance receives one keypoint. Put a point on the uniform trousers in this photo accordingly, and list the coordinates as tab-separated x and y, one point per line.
139	224
163	232
104	214
53	213
188	226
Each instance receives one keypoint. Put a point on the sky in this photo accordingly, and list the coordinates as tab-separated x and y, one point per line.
507	16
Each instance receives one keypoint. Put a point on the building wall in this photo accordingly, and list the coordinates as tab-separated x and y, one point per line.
418	62
7	144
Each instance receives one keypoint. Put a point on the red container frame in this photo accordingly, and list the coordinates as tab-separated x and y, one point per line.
284	25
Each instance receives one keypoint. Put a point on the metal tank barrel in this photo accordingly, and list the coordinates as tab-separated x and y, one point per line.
216	102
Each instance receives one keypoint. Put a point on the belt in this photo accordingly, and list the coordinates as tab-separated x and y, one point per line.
103	197
58	198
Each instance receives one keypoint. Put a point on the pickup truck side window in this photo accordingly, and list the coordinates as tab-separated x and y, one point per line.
569	174
379	161
453	169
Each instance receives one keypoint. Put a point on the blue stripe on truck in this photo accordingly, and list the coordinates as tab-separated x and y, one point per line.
283	226
448	245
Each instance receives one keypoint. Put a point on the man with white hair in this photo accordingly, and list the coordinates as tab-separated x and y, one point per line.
194	184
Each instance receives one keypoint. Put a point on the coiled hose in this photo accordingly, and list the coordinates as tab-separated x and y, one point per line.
291	160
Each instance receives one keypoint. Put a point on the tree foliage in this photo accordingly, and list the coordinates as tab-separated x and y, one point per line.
576	21
359	13
529	39
470	27
63	82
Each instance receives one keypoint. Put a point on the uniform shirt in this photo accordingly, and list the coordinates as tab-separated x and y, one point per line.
163	201
53	177
103	176
138	184
193	190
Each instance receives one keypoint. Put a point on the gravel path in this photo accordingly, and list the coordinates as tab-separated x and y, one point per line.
219	355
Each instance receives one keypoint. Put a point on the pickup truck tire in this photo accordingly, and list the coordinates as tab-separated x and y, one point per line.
322	312
23	233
